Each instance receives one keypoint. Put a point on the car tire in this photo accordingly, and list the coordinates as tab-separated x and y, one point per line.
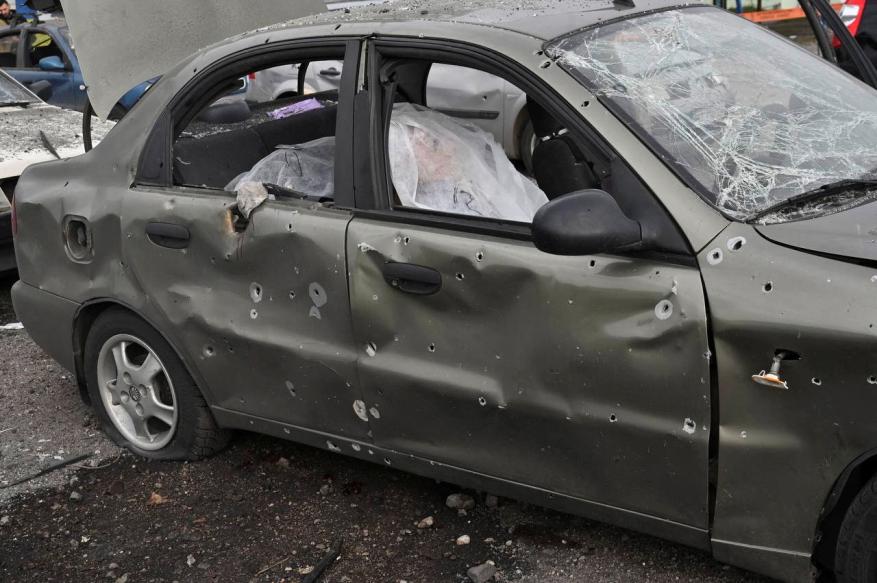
856	554
526	145
152	408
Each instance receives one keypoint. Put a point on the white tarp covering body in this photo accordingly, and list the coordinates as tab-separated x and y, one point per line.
307	168
443	164
121	43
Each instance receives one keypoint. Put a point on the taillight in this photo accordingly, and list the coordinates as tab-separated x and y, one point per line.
14	219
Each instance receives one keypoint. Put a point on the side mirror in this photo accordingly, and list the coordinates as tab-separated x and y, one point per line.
584	223
53	63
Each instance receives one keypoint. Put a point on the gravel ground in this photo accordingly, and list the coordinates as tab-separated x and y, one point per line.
268	510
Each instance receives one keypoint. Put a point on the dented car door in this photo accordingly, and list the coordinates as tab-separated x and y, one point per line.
261	303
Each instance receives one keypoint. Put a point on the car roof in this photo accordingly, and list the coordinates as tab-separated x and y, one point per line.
543	19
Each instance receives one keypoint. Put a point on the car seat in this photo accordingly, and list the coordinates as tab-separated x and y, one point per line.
559	166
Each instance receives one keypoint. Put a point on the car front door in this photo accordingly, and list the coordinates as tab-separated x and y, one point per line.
260	305
584	376
39	44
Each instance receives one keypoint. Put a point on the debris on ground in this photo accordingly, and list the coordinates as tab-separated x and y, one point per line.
463	539
460	501
426	522
481	573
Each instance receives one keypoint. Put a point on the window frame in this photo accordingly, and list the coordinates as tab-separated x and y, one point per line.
155	166
19	54
27	34
380	204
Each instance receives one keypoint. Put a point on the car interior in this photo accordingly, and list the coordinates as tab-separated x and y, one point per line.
230	136
287	144
9	50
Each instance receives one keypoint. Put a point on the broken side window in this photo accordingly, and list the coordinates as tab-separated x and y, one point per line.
747	118
267	132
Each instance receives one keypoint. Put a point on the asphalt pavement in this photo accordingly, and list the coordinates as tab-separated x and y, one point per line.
268	510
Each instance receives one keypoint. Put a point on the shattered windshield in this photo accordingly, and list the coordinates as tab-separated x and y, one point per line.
11	93
749	118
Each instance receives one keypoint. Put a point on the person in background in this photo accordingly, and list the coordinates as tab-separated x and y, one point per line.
8	16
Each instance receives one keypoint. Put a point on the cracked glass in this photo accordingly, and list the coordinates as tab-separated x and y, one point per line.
748	118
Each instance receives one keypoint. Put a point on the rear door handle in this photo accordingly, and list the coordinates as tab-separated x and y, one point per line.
168	235
412	279
331	72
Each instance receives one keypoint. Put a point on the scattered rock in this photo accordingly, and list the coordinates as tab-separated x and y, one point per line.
4	520
75	496
190	560
325	489
460	501
306	570
491	501
123	579
426	522
155	499
463	540
481	573
113	566
283	462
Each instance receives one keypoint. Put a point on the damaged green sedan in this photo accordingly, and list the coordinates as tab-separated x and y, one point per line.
662	322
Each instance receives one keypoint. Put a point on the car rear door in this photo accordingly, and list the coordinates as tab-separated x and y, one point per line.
583	376
259	306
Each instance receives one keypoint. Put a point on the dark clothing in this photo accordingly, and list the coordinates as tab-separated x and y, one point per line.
14	19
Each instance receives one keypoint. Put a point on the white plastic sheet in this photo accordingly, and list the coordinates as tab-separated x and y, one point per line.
307	168
442	164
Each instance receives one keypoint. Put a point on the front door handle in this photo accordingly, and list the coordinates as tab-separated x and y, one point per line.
412	279
169	235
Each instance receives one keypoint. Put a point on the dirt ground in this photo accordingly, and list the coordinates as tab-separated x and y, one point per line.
267	510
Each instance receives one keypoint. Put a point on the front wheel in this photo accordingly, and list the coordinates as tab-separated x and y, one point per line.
143	394
856	555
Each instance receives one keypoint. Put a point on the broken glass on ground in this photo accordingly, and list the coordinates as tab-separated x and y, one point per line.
748	117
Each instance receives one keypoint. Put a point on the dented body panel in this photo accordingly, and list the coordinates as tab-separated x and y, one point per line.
537	358
617	386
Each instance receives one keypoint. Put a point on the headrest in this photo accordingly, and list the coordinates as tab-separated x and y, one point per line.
544	124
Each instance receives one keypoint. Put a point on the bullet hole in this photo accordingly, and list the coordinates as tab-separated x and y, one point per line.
332	447
816	381
586	104
767	287
292	295
375	413
365	247
736	243
387	461
254	314
228	256
314	312
715	256
431	347
874	279
479	256
360	410
286	431
545	64
708	355
460	276
482	401
406	240
689	426
356	447
664	309
539	53
318	294
290	387
743	435
674	289
255	292
290	228
872	380
613	418
209	351
371	349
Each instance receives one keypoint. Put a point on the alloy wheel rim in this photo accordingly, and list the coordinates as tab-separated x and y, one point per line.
137	392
